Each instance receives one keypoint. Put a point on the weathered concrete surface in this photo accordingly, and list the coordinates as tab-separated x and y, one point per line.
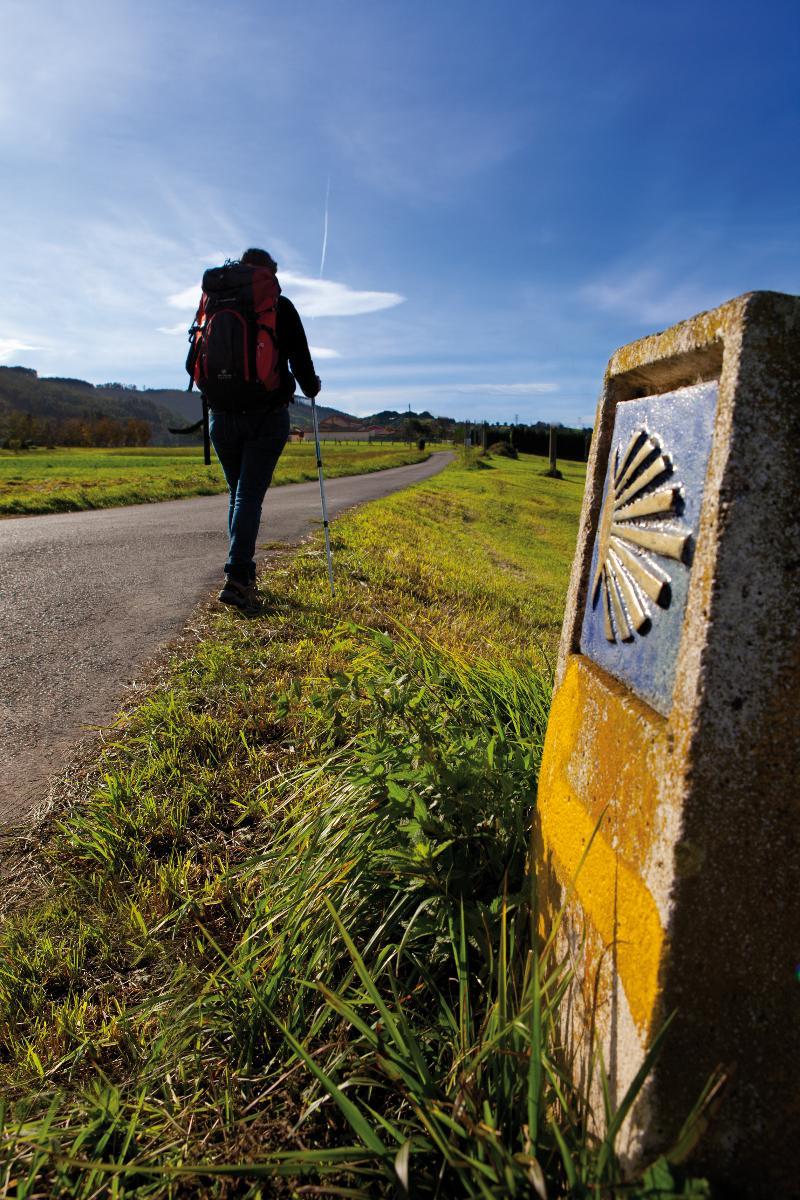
690	892
87	598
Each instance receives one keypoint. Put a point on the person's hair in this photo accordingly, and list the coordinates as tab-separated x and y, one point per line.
258	258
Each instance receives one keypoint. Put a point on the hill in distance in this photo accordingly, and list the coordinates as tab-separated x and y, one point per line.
58	399
187	405
53	398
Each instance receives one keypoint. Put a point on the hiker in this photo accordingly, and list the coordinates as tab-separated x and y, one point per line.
245	328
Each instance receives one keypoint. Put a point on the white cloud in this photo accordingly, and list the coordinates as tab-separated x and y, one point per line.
314	297
10	348
488	390
324	352
504	389
173	330
326	298
189	298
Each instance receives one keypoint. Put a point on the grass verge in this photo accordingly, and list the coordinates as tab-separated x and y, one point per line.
71	480
281	942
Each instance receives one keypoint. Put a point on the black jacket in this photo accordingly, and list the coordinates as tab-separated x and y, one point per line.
293	353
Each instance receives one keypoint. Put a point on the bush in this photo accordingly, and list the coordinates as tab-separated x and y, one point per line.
503	450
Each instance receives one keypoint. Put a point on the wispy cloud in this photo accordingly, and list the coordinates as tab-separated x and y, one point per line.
173	330
476	403
188	299
648	295
45	63
390	391
504	389
326	298
11	347
384	148
324	352
314	297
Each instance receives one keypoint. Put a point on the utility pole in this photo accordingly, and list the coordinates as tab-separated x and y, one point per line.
553	470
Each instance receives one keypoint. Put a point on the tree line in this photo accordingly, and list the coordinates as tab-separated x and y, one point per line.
22	431
571	443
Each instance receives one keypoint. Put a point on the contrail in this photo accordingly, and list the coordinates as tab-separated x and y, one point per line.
325	230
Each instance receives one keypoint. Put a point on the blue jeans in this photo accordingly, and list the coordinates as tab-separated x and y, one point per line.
248	445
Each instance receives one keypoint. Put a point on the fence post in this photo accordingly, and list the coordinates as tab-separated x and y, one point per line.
553	470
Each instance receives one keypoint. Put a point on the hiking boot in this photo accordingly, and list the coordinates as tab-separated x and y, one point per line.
240	595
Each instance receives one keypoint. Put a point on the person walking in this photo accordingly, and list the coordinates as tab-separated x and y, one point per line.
249	347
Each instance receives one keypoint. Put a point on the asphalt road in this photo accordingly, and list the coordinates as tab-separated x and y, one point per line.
87	598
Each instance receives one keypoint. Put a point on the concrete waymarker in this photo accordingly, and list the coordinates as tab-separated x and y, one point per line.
673	741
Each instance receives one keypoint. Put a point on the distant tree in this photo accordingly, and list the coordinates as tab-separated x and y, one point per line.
74	431
104	431
20	430
138	433
410	429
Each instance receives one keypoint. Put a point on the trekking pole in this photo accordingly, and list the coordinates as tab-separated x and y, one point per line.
322	495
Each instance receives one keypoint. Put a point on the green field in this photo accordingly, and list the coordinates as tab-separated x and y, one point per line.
69	480
279	939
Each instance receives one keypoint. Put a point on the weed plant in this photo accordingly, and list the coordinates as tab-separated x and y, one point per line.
281	942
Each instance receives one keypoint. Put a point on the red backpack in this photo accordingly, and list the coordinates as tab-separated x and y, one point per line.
233	355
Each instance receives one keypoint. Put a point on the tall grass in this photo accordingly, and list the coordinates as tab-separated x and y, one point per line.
285	944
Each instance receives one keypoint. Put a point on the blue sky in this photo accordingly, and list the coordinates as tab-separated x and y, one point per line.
516	188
